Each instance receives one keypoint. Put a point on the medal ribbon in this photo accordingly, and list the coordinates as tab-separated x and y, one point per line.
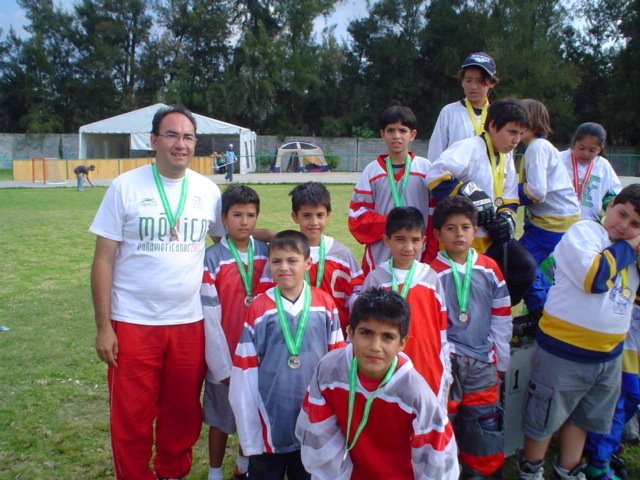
321	256
293	345
407	279
245	273
497	167
478	127
353	380
398	200
462	287
171	216
577	186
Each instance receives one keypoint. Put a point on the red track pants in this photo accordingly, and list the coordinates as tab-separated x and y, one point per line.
159	378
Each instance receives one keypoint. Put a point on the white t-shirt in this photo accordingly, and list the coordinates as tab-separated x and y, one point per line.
157	281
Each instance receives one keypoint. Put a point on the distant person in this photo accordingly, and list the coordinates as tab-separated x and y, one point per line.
147	271
82	174
465	118
219	161
593	177
405	434
231	160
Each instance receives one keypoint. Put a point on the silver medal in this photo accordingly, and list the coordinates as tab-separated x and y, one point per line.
293	362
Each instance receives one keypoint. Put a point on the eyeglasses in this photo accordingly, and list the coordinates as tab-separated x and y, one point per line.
173	137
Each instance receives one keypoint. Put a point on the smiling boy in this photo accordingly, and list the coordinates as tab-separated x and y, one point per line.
576	367
287	331
403	434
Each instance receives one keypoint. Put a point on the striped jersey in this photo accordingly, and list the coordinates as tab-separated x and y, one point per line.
342	277
545	188
372	201
427	339
586	316
265	394
486	334
223	294
407	435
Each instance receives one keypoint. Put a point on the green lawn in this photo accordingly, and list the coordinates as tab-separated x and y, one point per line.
53	396
6	174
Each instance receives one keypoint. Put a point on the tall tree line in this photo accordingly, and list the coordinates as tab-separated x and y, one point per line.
260	64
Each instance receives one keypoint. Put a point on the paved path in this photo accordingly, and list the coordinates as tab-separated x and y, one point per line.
250	178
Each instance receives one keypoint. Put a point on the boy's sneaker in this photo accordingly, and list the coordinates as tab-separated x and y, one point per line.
619	466
527	470
238	475
577	473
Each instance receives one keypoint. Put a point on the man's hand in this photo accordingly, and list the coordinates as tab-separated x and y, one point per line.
480	200
107	345
503	227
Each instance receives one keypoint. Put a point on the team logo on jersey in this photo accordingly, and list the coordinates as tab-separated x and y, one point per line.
197	202
148	202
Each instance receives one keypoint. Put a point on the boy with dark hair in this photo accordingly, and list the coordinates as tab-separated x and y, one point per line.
334	269
232	269
403	273
481	168
288	329
465	118
576	368
479	314
394	179
367	412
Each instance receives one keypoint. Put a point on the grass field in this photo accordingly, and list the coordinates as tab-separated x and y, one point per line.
6	174
53	396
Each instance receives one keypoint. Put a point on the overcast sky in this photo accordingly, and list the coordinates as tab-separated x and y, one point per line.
347	10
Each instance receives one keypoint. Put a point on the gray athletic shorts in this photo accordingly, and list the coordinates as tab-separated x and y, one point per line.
563	391
216	408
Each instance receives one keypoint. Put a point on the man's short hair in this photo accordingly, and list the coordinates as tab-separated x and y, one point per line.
239	195
630	194
290	240
404	217
164	111
381	305
313	194
398	113
454	205
504	111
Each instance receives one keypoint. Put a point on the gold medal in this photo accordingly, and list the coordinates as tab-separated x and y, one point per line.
248	300
626	293
498	202
293	362
463	317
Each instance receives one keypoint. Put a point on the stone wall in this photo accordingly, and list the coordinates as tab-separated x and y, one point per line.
20	146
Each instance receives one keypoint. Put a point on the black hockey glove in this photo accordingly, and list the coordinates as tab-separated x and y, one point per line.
503	227
480	200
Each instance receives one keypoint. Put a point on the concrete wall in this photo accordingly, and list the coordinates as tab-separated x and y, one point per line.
21	146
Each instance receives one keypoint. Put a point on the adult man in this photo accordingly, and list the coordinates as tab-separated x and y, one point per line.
231	160
82	173
145	280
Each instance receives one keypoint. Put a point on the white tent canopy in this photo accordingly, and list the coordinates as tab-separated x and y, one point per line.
124	135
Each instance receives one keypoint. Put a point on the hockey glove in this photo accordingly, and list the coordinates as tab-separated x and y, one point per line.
480	200
503	227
